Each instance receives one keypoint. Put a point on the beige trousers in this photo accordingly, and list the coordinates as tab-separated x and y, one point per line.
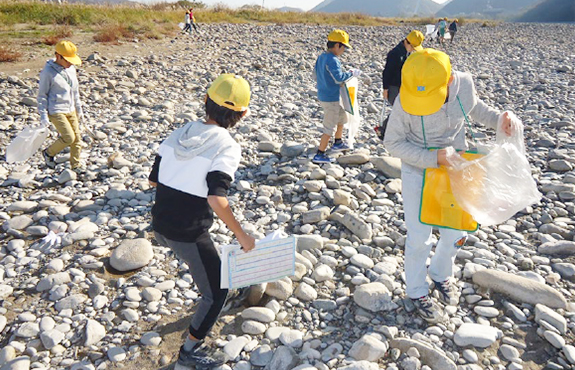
67	126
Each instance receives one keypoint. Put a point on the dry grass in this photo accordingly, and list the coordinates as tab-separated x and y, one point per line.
7	54
113	34
59	33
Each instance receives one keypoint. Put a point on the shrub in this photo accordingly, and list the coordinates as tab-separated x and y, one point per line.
59	34
9	55
113	34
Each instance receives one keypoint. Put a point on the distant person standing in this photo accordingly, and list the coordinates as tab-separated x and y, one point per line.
59	103
442	27
453	29
188	27
193	19
392	72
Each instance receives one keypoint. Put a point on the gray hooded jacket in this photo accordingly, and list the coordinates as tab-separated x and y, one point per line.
58	91
404	137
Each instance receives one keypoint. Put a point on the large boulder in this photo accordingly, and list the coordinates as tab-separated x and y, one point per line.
520	288
132	254
560	247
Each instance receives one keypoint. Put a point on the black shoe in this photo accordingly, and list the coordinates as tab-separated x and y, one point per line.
448	292
236	298
429	310
201	357
50	162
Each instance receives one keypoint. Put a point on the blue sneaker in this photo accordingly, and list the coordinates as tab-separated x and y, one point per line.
341	147
322	158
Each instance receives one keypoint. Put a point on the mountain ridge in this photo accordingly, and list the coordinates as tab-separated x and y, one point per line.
381	8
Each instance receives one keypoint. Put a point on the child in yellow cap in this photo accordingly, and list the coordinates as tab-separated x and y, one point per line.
329	76
432	109
453	29
59	103
192	173
392	71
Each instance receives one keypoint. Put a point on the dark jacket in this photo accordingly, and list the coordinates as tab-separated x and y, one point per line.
453	27
394	62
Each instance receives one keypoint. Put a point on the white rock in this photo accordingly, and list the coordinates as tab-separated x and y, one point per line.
132	254
94	332
360	365
116	354
234	347
305	292
543	312
368	348
151	339
51	338
476	335
555	339
261	314
374	297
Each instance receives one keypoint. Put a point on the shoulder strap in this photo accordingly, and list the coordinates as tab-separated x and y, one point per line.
464	116
467	120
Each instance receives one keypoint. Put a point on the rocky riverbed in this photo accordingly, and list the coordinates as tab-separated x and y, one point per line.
107	296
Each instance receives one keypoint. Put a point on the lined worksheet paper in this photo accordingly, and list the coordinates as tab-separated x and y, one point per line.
268	261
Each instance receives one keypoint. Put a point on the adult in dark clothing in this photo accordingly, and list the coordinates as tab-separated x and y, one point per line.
392	71
453	29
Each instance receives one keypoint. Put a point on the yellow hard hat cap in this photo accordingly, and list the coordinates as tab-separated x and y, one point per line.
68	51
415	38
230	91
339	36
424	79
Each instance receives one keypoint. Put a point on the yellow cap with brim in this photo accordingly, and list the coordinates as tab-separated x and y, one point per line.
230	91
339	36
415	38
68	51
424	79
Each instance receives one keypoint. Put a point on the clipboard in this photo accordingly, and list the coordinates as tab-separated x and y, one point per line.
272	259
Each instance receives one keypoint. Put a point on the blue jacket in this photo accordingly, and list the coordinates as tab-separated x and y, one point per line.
329	77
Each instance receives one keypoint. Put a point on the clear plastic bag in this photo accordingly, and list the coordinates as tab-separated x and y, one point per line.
26	143
496	186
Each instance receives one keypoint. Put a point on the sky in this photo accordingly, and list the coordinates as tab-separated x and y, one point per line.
302	4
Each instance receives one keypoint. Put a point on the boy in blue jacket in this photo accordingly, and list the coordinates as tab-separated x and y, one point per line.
330	76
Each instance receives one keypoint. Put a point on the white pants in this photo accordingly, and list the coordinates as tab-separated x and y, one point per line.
419	242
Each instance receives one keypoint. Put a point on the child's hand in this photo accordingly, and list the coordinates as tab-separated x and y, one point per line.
355	72
442	157
247	242
506	124
152	183
386	94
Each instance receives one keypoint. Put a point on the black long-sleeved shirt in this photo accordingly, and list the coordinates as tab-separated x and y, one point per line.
394	62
